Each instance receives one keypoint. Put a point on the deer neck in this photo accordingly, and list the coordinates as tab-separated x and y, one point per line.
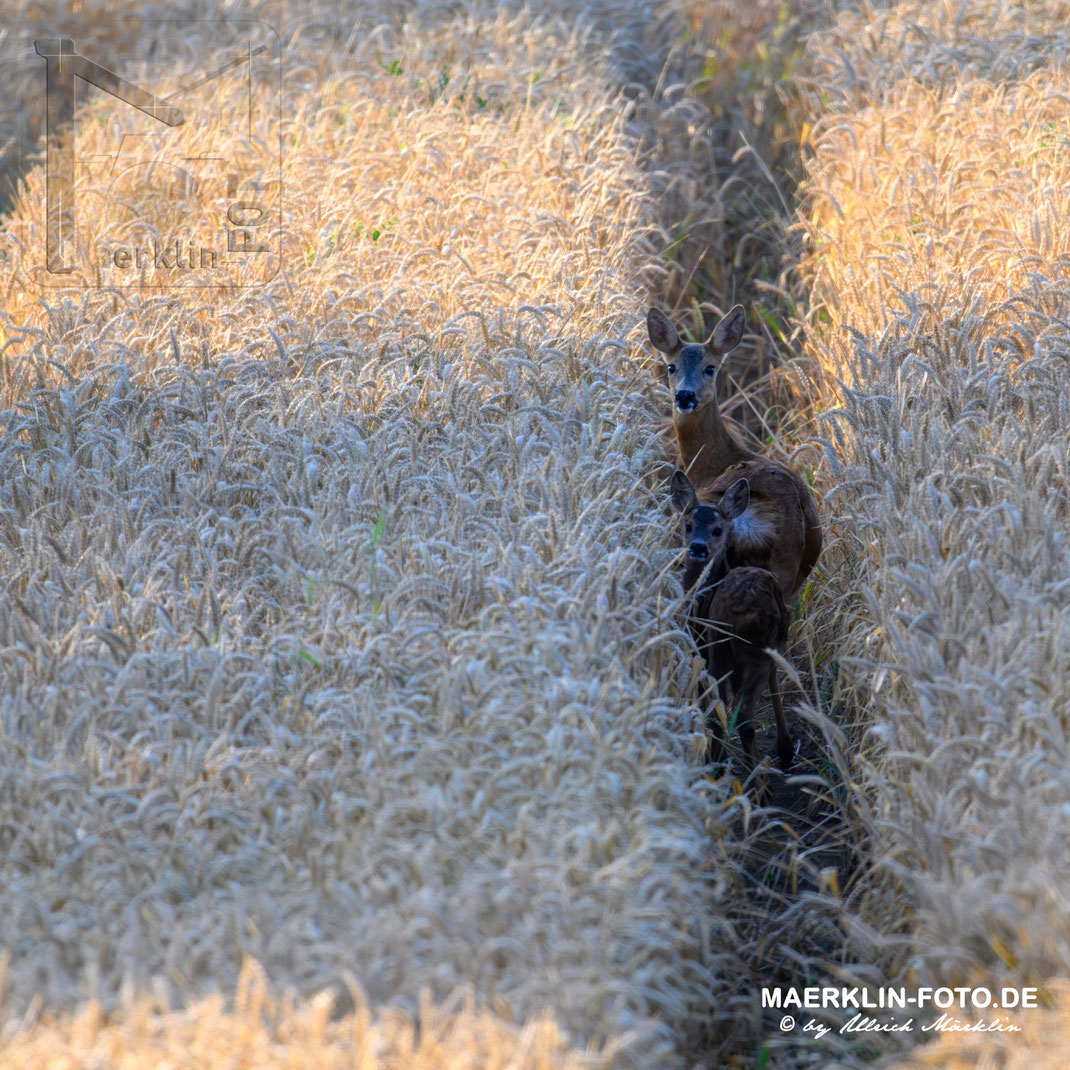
706	446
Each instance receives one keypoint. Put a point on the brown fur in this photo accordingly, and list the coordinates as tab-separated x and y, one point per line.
750	615
777	494
736	613
714	459
706	446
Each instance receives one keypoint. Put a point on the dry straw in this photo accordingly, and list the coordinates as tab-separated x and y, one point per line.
283	1034
338	627
1038	1042
937	217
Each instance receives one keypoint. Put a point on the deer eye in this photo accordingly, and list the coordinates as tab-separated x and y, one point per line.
716	532
710	370
671	369
687	529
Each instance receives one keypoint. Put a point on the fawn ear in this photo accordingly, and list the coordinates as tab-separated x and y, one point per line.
729	332
662	333
736	499
683	494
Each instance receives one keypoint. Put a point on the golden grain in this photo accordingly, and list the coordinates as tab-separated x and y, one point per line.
338	629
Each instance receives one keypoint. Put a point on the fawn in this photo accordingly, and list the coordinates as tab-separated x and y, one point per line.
780	531
737	611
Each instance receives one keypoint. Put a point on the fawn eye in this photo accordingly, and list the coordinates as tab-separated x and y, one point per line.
710	370
687	529
716	532
671	369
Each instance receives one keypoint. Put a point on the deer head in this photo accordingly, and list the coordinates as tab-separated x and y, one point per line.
690	371
707	527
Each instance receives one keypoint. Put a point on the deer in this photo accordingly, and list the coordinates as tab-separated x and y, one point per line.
737	613
780	531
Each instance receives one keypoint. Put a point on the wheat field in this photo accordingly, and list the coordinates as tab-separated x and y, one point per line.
935	211
342	649
347	712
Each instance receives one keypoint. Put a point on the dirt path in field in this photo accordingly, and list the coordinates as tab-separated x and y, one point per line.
798	856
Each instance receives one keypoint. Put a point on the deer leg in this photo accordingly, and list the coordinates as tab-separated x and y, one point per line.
696	624
785	745
715	746
753	686
746	696
719	669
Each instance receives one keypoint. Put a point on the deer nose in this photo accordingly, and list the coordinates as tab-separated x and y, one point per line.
699	550
685	400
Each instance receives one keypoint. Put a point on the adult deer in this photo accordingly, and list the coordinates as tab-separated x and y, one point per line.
780	530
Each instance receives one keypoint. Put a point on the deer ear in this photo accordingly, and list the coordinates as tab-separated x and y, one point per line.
729	332
736	499
683	493
662	333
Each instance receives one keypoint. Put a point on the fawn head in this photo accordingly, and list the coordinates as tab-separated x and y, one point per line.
707	527
690	371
